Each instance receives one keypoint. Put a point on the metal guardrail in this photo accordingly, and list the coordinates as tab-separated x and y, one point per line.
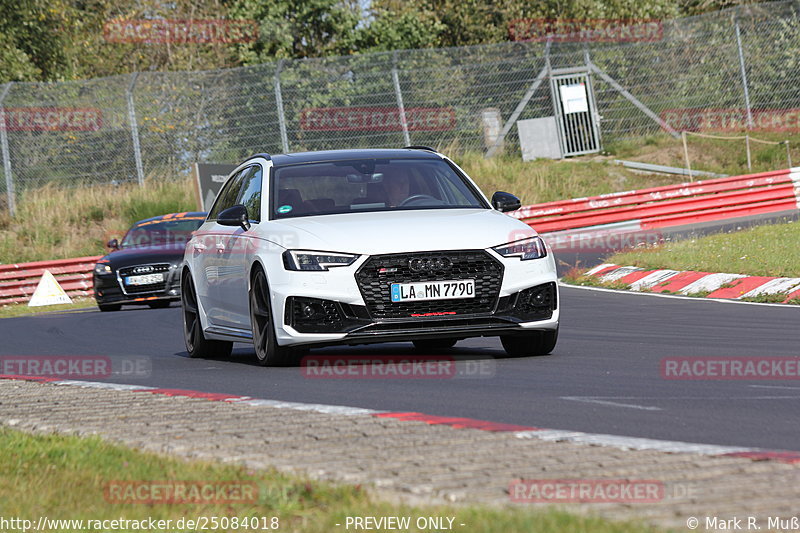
672	205
18	281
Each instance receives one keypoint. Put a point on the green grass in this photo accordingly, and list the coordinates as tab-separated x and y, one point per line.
12	310
770	250
63	477
53	223
545	180
711	155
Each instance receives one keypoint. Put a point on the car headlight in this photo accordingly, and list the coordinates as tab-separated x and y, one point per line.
531	248
101	269
309	260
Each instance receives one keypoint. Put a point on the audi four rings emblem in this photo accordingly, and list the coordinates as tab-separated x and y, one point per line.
142	269
430	264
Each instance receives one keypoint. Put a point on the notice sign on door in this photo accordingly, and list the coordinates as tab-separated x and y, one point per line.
573	98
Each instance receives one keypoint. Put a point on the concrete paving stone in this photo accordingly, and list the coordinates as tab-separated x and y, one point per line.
411	462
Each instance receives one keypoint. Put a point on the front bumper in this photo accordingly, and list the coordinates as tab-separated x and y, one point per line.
108	289
341	315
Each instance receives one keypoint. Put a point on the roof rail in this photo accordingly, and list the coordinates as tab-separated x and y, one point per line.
419	147
264	155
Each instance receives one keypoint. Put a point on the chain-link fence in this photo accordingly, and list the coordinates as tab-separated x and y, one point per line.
126	128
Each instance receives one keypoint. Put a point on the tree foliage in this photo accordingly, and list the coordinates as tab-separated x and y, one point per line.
51	40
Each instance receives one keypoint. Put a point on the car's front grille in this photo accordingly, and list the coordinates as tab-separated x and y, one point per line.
127	272
377	274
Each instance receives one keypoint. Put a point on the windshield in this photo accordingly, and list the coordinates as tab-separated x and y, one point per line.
369	185
162	232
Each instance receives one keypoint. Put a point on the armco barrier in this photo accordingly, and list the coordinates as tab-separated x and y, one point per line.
672	205
18	281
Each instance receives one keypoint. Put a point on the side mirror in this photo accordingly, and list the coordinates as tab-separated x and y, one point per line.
234	216
113	244
505	202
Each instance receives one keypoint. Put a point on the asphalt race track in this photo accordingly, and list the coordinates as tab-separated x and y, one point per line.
604	376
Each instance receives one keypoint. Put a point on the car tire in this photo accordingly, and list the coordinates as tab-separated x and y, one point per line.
530	344
434	345
108	308
159	304
196	343
268	353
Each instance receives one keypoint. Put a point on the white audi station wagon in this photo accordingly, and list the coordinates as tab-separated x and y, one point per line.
364	246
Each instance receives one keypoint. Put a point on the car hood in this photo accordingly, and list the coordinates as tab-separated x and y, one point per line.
401	231
141	255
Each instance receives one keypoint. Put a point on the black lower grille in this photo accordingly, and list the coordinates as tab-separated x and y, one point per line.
377	274
534	303
314	315
127	272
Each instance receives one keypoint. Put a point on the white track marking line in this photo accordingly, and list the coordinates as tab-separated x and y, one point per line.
629	443
673	296
101	385
319	408
775	387
610	403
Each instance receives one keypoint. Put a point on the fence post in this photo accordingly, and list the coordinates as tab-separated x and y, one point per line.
398	93
279	105
12	207
749	162
743	72
788	153
137	149
686	155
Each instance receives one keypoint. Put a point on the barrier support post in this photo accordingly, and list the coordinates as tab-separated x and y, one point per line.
788	154
686	156
747	143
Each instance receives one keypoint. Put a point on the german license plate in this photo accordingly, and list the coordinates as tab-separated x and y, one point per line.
145	279
433	290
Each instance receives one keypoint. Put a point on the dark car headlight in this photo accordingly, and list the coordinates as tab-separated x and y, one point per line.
102	269
530	248
310	260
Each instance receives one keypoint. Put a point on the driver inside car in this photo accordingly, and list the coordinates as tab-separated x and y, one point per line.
397	188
